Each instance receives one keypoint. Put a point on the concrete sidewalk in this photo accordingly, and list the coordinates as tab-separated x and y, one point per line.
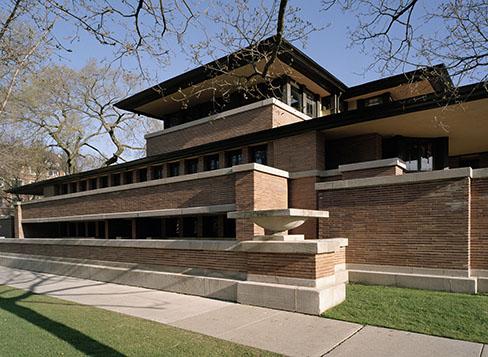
278	331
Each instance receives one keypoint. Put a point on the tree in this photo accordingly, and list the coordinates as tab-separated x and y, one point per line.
72	112
416	33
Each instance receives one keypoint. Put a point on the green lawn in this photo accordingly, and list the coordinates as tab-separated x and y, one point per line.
459	316
38	325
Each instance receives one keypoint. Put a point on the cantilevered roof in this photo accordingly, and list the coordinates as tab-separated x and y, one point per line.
149	101
335	125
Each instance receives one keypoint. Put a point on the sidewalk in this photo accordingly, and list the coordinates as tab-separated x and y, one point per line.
278	331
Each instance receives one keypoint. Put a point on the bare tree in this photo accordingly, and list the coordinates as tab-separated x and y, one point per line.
413	33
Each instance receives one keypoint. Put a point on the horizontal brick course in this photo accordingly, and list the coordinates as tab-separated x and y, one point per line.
423	224
285	265
479	224
202	192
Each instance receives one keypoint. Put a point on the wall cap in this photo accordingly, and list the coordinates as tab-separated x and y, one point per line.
395	180
365	165
227	113
312	246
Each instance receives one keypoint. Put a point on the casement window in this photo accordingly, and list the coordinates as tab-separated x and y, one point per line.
191	166
173	169
157	172
211	162
82	186
142	174
115	181
374	101
210	226
92	184
103	181
259	154
233	158
298	97
128	177
419	154
190	225
73	187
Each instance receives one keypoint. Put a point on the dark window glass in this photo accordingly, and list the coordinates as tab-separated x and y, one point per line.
210	226
229	227
128	177
190	227
234	158
191	166
296	98
82	186
93	184
115	180
173	169
173	227
259	154
310	107
157	172
142	173
73	187
64	189
211	162
103	181
474	163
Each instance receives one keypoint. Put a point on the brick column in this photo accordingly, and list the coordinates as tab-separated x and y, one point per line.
134	228
106	232
18	229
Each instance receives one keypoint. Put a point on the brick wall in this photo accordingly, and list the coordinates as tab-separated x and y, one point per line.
300	152
302	194
246	122
423	224
306	266
256	191
202	192
479	224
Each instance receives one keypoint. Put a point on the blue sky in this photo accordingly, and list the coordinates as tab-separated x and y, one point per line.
329	48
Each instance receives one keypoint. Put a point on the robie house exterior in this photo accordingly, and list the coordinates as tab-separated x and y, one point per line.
400	163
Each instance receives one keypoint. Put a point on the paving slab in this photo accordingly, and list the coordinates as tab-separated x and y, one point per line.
381	342
293	334
284	332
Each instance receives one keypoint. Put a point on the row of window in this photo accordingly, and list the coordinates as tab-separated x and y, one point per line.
211	226
257	154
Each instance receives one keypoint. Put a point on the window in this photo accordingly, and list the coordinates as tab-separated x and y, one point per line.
190	227
103	181
73	187
296	97
233	158
64	189
82	186
229	227
211	162
419	154
173	169
191	166
115	180
157	172
310	105
259	154
142	174
92	183
128	177
210	226
373	101
172	227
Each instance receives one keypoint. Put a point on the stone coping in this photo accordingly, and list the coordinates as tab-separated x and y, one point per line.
168	180
136	214
312	246
365	165
287	212
396	180
227	113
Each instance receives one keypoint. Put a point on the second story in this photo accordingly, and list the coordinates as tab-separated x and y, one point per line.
230	97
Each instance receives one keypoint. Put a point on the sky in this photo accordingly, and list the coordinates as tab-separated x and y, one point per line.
328	47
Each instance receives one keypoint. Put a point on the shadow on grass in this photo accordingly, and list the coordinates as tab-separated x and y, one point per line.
75	338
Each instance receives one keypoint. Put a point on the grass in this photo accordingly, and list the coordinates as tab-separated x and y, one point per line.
459	316
39	325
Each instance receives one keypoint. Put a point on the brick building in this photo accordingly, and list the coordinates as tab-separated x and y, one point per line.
400	163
